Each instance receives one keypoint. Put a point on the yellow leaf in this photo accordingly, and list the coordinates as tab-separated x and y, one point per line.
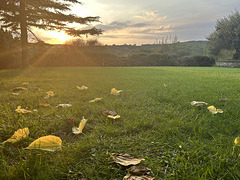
237	141
24	111
18	135
113	117
47	143
25	83
82	88
115	92
96	99
49	94
78	130
213	110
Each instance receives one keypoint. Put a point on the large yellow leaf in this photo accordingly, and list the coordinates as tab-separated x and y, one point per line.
237	141
115	91
78	130
213	110
18	135
47	143
21	110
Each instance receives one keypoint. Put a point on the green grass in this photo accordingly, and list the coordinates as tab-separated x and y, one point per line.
155	121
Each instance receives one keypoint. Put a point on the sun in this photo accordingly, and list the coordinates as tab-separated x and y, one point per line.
58	37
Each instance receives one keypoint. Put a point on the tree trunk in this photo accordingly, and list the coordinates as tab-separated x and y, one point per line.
236	56
24	36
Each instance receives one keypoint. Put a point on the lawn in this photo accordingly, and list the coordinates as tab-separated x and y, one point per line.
158	123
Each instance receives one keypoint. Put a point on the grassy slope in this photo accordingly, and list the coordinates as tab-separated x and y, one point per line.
155	121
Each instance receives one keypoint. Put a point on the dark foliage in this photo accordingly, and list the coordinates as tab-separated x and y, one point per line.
195	61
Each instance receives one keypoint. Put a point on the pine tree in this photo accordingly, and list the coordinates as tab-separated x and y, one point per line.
22	15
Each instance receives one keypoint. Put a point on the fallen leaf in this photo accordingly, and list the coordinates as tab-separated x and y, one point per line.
44	104
82	88
106	112
115	92
95	100
237	141
130	177
125	159
225	99
164	85
18	135
213	110
49	94
114	117
47	143
64	105
25	83
198	103
78	130
15	94
19	89
24	111
139	173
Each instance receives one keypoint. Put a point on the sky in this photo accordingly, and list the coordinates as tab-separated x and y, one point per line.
150	21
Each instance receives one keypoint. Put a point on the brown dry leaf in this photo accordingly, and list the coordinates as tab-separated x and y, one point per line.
139	171
44	104
19	89
225	99
130	177
106	112
125	159
18	135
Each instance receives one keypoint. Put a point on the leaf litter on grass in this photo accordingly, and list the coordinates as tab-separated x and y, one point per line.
18	135
114	91
46	143
79	129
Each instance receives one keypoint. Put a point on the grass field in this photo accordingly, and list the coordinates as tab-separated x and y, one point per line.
177	140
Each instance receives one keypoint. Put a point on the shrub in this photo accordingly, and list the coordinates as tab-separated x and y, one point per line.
195	61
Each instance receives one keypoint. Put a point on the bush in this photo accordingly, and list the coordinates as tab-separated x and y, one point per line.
195	61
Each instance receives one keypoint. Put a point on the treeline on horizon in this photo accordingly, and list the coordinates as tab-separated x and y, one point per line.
93	53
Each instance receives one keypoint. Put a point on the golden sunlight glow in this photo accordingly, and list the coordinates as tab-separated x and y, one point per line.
58	37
